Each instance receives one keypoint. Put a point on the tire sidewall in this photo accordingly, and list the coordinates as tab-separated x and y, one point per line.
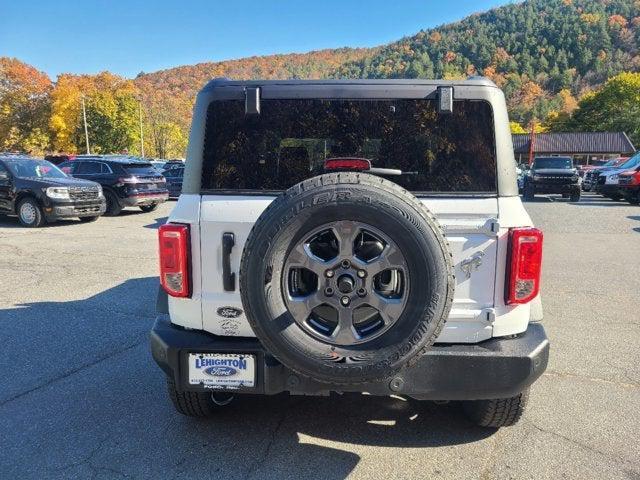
38	221
288	221
113	206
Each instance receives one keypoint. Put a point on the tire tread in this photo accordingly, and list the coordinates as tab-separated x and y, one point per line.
191	404
496	413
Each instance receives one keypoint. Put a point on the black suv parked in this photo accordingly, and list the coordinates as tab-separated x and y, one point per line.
127	181
552	175
38	192
174	181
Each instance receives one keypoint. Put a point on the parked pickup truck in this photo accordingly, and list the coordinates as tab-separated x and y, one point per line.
629	183
590	178
608	184
38	192
552	175
351	236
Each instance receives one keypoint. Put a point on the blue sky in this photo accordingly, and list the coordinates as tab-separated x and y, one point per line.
127	37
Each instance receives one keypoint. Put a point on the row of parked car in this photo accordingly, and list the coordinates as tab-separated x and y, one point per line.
617	179
84	187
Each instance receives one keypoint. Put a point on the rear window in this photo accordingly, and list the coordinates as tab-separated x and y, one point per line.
140	169
290	140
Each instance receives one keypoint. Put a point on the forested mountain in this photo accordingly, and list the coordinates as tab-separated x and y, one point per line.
541	52
544	54
547	55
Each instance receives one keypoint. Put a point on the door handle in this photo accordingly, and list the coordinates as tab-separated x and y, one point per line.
228	277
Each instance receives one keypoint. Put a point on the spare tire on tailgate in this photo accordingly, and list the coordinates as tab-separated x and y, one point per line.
346	278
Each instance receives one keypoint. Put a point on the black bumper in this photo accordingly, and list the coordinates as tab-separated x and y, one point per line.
607	189
496	368
630	192
556	187
59	211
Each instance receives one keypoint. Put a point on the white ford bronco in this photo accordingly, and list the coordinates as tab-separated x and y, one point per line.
351	236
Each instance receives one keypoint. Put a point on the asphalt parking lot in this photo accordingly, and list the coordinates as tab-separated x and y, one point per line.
81	397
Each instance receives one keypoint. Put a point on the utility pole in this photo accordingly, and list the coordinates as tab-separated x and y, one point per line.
86	130
532	141
141	133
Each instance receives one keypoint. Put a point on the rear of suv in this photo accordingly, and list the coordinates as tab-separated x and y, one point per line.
126	181
351	236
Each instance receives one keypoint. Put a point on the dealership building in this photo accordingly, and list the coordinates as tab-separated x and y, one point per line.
583	147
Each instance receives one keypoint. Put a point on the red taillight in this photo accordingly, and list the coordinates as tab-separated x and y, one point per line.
347	164
525	265
174	259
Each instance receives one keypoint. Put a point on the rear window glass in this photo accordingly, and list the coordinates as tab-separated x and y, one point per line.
290	140
140	169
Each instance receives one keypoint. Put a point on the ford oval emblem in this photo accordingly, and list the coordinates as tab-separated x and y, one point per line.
221	371
229	312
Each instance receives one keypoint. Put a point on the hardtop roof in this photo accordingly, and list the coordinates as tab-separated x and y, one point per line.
477	81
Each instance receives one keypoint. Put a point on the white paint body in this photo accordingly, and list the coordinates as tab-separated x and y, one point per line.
476	227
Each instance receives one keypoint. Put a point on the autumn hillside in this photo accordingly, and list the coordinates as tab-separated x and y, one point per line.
189	79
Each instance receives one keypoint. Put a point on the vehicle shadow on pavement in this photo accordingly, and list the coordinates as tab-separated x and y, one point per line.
158	221
596	201
80	386
13	222
635	217
298	429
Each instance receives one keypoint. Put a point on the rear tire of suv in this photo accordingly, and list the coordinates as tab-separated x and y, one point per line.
30	214
529	192
339	347
197	404
113	206
149	208
575	196
496	413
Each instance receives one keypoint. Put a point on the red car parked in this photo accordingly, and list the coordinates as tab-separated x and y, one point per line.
629	184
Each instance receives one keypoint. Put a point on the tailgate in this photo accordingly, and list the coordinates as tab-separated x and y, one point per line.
472	238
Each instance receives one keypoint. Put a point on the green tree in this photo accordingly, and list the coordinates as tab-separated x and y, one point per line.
614	107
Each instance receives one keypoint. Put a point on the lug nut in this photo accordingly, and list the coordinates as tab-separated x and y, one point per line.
329	273
362	292
345	301
362	273
328	291
346	264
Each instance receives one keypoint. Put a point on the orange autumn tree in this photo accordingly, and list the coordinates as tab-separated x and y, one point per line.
24	107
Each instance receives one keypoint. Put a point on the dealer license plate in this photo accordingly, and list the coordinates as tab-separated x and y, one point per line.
222	370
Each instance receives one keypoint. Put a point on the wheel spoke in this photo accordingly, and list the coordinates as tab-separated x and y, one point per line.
389	309
301	307
344	333
390	257
301	257
346	232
